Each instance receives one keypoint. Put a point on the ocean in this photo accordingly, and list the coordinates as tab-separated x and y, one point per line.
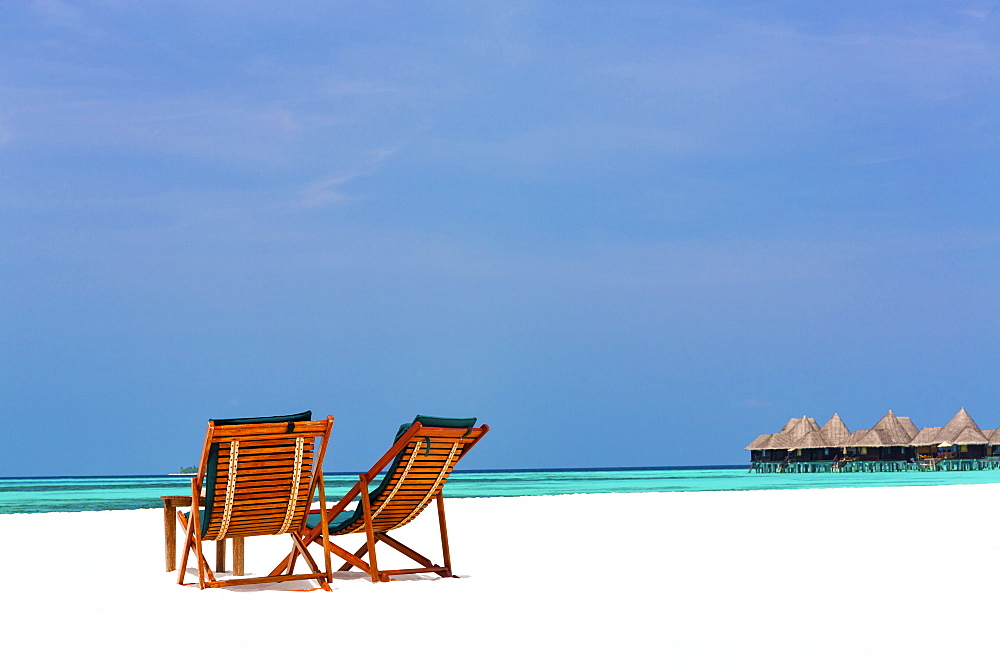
64	494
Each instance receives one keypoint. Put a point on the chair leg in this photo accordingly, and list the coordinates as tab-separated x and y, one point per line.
443	525
299	546
202	566
184	556
369	529
326	527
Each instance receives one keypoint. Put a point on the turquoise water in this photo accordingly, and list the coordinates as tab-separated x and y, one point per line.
46	495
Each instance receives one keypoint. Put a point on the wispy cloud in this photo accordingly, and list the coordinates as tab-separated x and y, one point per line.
980	10
329	189
59	12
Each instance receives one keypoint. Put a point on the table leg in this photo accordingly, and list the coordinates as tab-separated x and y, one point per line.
220	556
238	555
170	505
169	535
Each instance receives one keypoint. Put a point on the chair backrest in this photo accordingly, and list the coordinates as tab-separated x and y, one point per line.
425	458
259	477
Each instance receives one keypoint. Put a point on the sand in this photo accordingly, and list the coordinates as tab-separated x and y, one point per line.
870	576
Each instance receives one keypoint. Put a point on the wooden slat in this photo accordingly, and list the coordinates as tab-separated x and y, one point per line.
261	448
275	578
450	432
264	492
256	471
251	456
250	473
410	571
316	427
267	479
264	503
226	438
265	440
256	466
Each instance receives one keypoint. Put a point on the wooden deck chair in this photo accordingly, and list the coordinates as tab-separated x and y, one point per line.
257	477
419	462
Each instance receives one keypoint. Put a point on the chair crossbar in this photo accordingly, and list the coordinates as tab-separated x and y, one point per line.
229	582
314	429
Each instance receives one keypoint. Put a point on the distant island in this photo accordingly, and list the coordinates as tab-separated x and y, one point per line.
189	469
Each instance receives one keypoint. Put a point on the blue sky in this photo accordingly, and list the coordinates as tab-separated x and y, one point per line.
623	234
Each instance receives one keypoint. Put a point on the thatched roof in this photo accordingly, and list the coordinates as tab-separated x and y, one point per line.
814	439
891	431
970	436
780	441
908	425
960	429
799	427
927	436
856	436
791	423
835	431
869	438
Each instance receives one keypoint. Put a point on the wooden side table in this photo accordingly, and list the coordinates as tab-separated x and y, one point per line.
170	505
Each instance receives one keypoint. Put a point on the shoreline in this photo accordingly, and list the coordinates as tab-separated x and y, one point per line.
40	496
860	477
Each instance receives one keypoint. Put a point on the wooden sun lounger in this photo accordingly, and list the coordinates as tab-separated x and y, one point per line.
419	461
257	477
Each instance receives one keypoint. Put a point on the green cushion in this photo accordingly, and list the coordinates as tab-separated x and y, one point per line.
348	517
213	455
297	417
336	524
430	421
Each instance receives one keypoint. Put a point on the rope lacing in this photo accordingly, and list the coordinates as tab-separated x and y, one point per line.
399	482
227	510
434	488
296	483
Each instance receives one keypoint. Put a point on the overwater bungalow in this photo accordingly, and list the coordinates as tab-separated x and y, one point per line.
892	444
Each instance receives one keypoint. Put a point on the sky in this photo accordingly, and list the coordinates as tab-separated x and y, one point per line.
621	234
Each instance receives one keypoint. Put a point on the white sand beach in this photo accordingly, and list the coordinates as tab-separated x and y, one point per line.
871	576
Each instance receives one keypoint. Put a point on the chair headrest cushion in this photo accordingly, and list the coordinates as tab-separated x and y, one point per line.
298	417
431	421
